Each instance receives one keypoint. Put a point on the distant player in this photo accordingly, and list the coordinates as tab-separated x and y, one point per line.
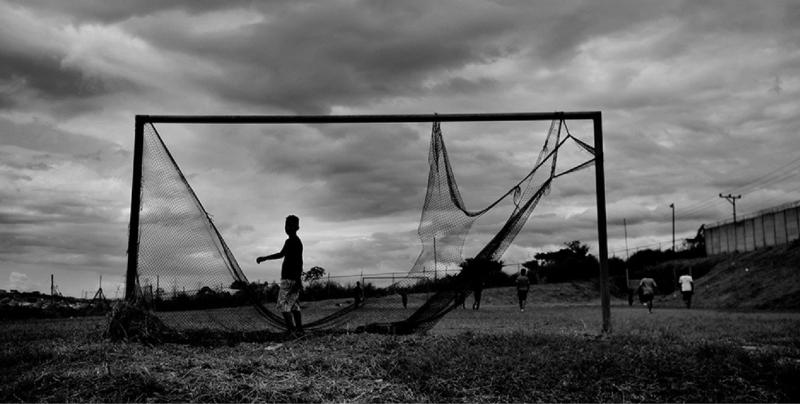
291	270
461	299
523	285
358	294
647	291
403	297
687	289
477	289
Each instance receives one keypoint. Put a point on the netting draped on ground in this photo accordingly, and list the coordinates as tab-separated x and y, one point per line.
191	280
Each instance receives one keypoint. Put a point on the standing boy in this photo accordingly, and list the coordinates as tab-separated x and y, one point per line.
358	294
523	284
477	289
403	297
291	271
687	289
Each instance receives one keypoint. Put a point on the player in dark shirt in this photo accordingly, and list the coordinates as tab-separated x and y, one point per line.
358	294
477	289
647	291
403	297
523	285
291	271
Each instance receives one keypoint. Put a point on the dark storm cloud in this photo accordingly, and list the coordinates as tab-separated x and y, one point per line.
351	171
310	57
29	166
696	96
111	11
45	138
34	68
348	172
47	77
62	208
59	229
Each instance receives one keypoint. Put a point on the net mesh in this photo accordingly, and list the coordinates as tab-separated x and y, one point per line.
190	279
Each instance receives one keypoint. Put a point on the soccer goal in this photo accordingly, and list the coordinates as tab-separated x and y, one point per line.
176	246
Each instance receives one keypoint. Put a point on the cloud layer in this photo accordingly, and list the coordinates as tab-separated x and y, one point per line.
698	98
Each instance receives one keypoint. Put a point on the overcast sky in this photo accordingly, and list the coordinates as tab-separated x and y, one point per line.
698	98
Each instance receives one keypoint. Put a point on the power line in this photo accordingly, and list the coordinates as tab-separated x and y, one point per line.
778	175
742	189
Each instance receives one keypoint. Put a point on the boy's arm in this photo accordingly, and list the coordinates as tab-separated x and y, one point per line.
269	257
277	255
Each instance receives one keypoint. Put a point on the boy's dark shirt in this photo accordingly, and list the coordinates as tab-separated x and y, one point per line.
292	267
523	283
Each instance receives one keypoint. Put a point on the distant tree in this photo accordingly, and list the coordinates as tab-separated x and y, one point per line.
239	285
642	259
480	264
313	274
567	264
578	248
616	266
491	271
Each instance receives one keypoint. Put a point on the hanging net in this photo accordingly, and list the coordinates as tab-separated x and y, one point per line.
189	278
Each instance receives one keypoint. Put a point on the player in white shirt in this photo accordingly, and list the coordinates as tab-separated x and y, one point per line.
687	289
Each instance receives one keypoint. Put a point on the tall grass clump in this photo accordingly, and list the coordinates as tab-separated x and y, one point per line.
132	321
519	367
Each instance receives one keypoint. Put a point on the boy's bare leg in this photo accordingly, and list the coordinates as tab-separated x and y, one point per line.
287	317
298	321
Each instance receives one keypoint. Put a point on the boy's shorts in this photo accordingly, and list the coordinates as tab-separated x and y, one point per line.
646	298
288	296
687	295
522	294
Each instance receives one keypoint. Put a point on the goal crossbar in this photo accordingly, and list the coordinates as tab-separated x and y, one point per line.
594	116
322	119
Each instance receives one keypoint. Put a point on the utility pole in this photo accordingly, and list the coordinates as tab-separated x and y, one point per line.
672	205
627	257
732	199
625	226
435	268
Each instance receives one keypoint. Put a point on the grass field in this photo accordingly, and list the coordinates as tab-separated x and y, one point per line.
552	353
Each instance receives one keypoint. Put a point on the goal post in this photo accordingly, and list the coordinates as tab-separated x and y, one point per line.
594	116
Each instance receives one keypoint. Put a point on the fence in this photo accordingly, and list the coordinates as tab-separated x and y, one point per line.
767	228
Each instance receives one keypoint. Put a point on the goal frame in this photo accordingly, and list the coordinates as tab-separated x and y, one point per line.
594	116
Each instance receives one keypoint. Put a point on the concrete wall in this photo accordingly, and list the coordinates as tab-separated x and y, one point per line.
771	227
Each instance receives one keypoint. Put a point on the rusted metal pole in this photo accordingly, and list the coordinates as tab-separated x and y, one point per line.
602	236
136	191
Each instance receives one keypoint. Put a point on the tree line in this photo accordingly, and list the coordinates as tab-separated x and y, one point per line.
569	264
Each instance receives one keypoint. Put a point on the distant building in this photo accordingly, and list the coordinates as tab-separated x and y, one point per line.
14	292
3	292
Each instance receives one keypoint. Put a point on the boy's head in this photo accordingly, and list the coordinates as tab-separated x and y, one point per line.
292	224
522	272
